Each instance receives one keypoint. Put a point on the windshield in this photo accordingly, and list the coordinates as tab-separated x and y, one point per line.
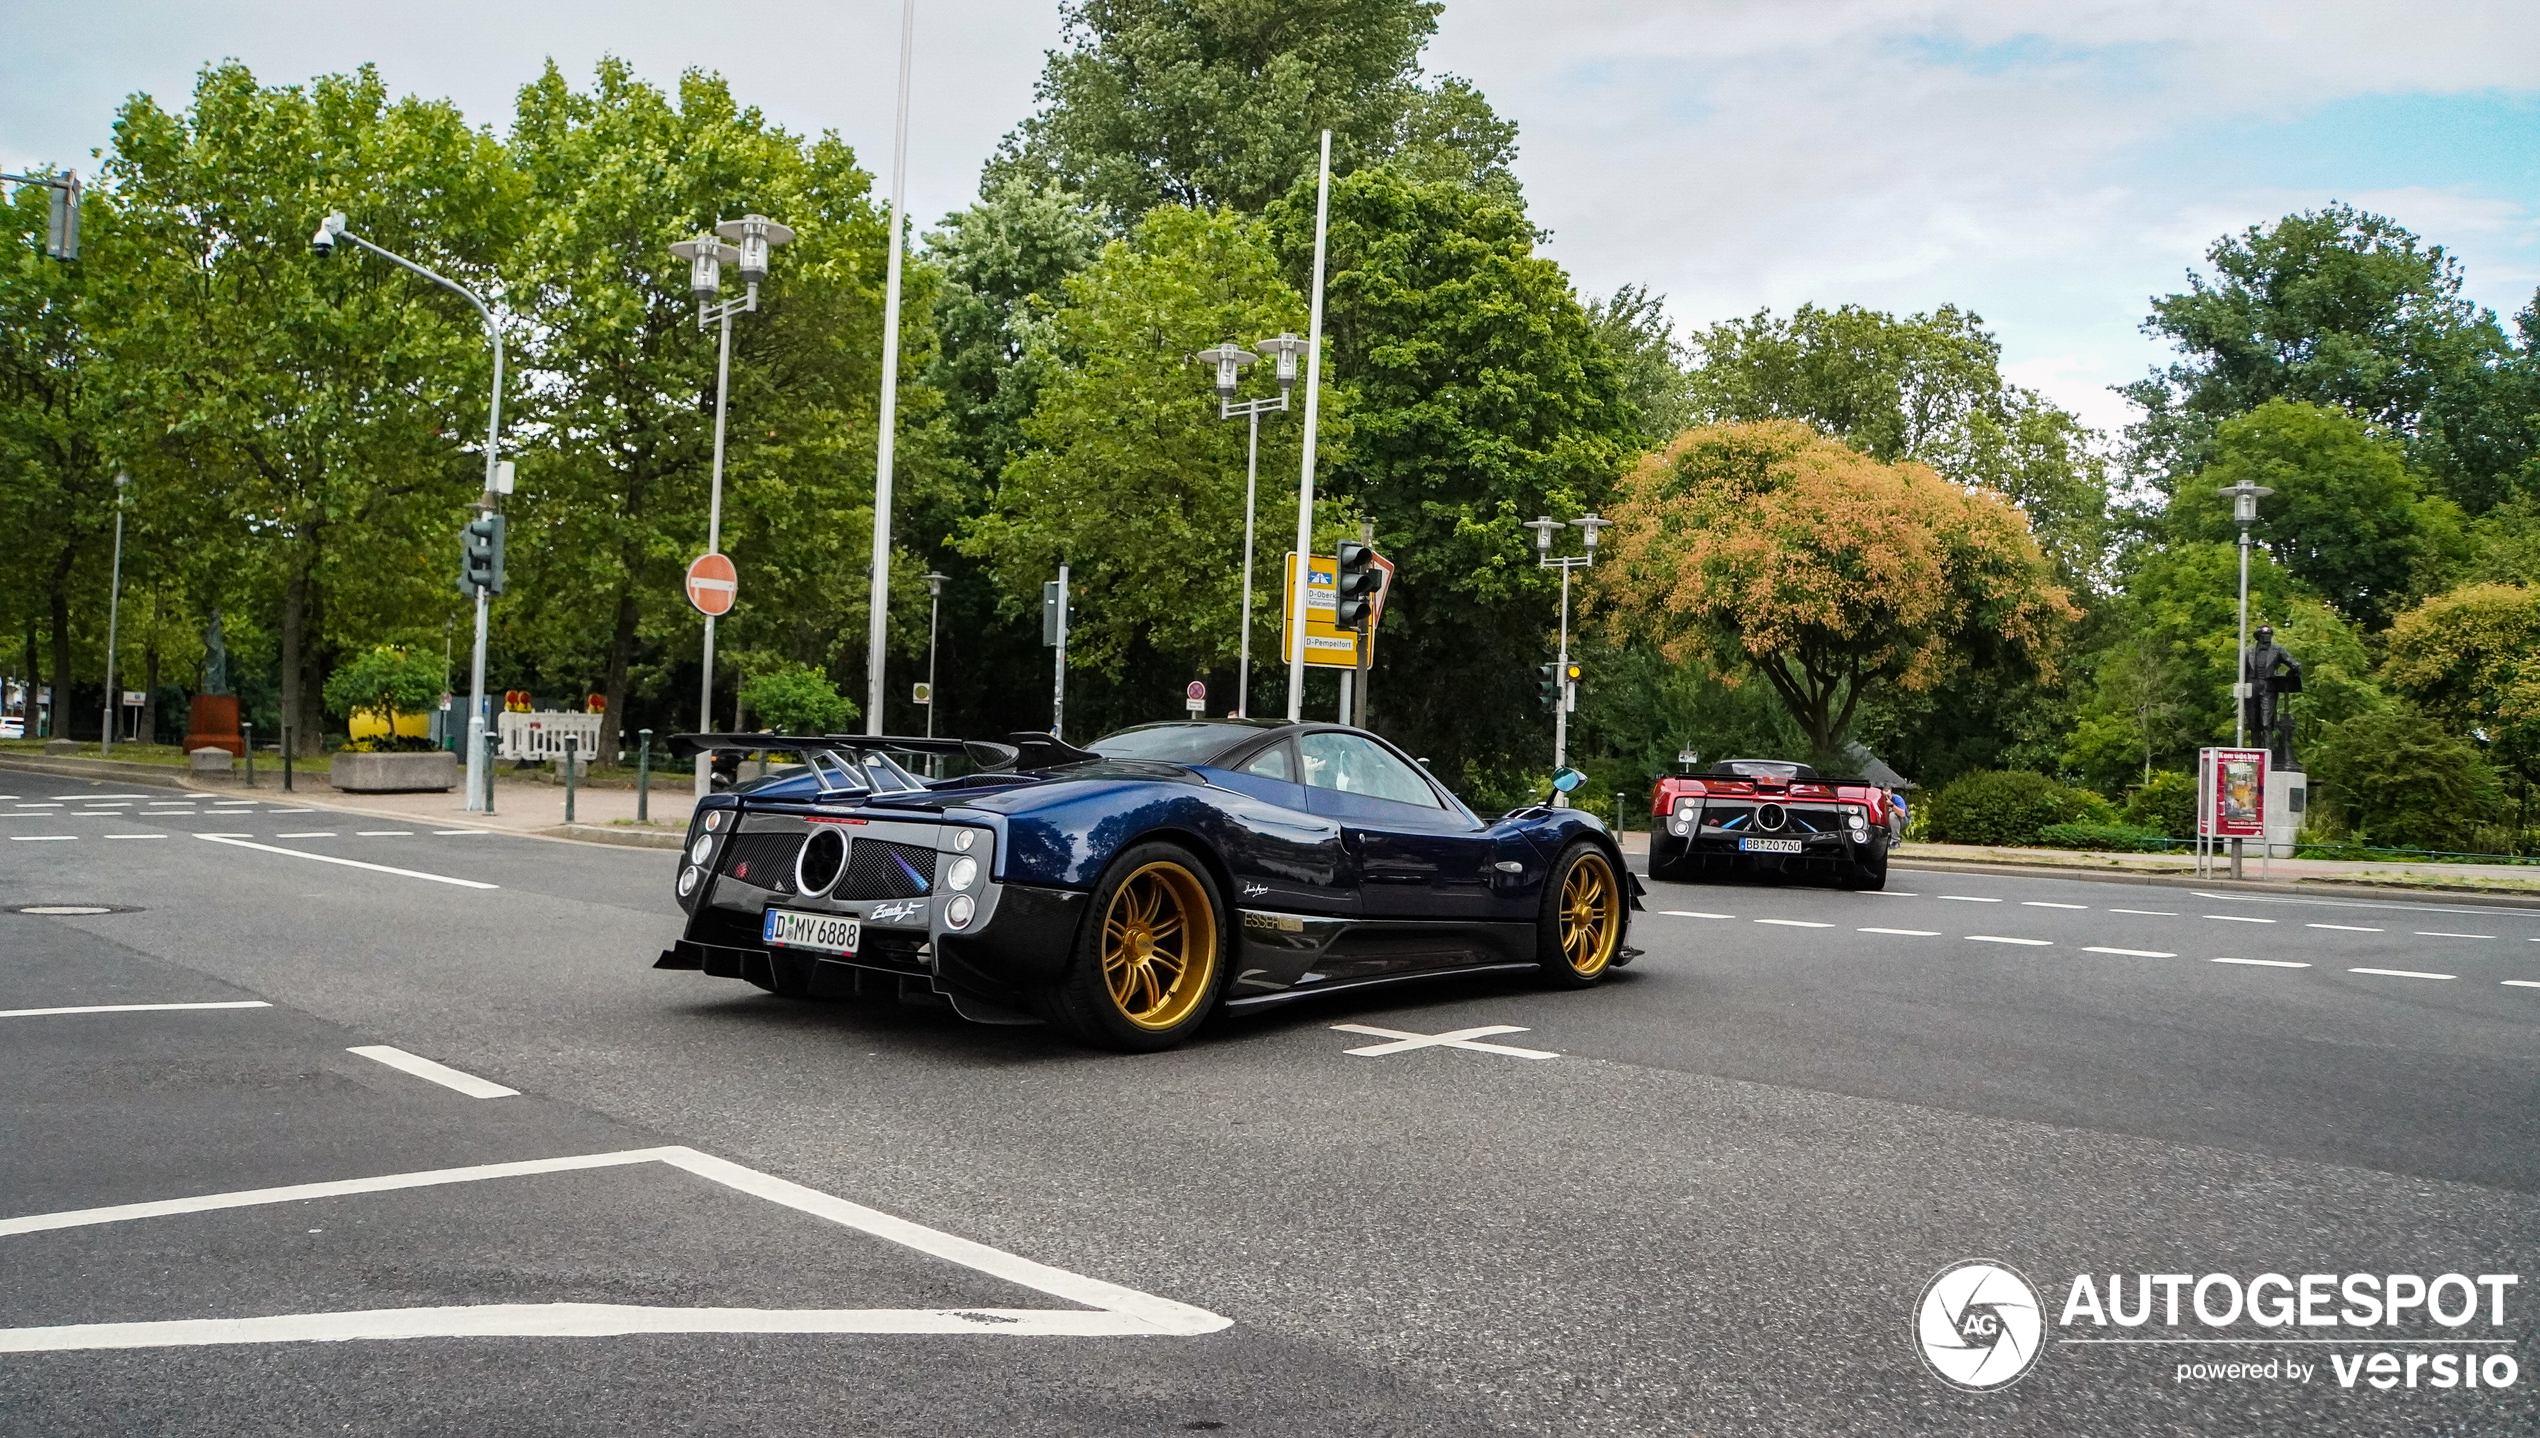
1171	743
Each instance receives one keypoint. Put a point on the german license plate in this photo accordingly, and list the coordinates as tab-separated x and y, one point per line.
1768	846
828	933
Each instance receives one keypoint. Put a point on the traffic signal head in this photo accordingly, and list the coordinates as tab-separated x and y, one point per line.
1356	587
61	220
1548	685
481	555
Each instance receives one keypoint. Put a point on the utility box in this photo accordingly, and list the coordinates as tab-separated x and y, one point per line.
2288	800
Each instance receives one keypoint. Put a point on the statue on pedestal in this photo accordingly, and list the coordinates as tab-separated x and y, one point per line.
2271	674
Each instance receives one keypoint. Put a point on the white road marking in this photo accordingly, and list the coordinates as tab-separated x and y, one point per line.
95	797
2439	934
2132	953
132	836
1904	933
1671	913
1457	1039
309	834
129	1008
1969	898
2403	973
2265	963
1115	1311
291	811
442	1074
1796	923
447	833
2149	913
2002	939
240	841
97	808
383	833
39	806
2344	928
2236	919
2042	904
42	838
1891	894
2521	983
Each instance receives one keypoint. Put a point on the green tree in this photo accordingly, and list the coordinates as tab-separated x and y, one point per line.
1770	549
1167	102
2346	308
794	698
1005	264
2181	611
2402	780
1649	362
2471	658
322	406
1132	478
2345	518
386	680
1480	398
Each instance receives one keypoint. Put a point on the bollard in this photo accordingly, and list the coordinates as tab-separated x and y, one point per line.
1618	811
644	777
571	741
286	758
248	732
493	752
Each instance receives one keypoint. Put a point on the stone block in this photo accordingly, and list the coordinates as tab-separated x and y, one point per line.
210	759
433	771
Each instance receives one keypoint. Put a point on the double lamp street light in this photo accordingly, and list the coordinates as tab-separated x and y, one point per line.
1230	358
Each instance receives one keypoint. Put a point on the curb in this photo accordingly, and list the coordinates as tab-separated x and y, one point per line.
620	838
166	775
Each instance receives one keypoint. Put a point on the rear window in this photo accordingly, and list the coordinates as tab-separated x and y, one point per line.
1171	743
1781	769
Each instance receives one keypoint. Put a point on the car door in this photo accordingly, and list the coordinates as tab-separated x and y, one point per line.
1418	857
1283	855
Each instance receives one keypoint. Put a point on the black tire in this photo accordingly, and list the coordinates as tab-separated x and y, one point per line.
1584	916
1134	984
1869	874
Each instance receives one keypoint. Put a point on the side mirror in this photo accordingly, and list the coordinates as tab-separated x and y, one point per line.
1568	780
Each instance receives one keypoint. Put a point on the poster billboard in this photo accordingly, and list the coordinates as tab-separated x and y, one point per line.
2231	793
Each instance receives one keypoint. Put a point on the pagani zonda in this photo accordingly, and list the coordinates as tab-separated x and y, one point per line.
1127	891
1771	816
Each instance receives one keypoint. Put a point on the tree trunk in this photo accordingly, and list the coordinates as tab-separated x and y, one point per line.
34	681
61	604
613	688
295	604
150	681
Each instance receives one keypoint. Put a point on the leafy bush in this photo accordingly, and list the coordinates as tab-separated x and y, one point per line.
2007	807
2401	780
797	699
2165	802
2110	838
389	680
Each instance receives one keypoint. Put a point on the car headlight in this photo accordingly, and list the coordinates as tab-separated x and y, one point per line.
698	851
964	838
957	914
714	819
963	873
688	879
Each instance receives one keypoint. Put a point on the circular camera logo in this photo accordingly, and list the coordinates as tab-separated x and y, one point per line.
1980	1325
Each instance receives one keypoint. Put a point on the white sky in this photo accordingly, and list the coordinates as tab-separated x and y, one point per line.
2050	165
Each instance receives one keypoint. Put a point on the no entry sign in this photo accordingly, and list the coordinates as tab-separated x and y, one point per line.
712	584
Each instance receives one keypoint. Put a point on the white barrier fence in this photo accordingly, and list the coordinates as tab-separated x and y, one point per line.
539	737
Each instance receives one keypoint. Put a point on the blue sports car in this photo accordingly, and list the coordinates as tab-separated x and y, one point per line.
1127	891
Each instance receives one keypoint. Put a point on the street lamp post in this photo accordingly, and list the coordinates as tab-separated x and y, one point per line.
2244	498
706	255
1544	529
1230	358
878	607
934	617
114	614
480	773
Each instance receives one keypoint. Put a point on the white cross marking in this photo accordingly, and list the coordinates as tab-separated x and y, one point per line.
1458	1039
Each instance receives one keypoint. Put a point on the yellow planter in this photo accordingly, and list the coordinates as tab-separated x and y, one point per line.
367	724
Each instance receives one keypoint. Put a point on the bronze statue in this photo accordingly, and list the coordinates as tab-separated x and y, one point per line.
2271	674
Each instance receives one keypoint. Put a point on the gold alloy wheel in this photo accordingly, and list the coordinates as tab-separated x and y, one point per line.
1591	915
1159	945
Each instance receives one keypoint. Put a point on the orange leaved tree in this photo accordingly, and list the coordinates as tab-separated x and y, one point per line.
1771	548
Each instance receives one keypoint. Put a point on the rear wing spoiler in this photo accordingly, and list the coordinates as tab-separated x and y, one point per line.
1021	751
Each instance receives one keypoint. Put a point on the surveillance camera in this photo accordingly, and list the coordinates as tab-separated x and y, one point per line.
324	241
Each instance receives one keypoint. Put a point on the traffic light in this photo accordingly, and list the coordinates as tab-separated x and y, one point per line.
1355	590
481	555
1548	685
61	228
1570	686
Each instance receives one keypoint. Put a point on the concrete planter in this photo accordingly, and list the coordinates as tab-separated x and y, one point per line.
435	772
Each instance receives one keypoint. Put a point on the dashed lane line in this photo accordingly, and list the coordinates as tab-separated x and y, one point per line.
2132	953
2439	934
2007	939
2344	928
2148	913
241	842
2043	904
308	834
129	1009
42	838
1796	923
2265	963
1671	913
2403	973
2236	919
132	836
382	834
442	1074
2520	983
1968	898
1904	933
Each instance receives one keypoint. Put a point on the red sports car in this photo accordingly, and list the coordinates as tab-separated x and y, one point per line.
1772	816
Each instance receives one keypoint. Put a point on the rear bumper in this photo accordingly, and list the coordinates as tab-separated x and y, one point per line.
1671	856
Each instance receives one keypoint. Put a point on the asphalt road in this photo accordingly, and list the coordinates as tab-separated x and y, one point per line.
1714	1211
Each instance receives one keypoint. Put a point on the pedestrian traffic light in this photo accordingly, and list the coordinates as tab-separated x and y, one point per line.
1548	685
481	555
1355	589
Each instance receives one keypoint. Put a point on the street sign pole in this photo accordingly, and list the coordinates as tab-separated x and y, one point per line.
114	615
1313	409
714	545
1058	691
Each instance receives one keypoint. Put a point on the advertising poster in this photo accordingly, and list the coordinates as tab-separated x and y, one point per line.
2234	789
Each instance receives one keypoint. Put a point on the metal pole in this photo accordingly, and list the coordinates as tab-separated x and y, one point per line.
1058	699
644	777
714	545
877	621
571	743
491	740
247	741
1305	466
480	768
934	620
1561	695
114	615
1366	641
1243	646
2240	691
